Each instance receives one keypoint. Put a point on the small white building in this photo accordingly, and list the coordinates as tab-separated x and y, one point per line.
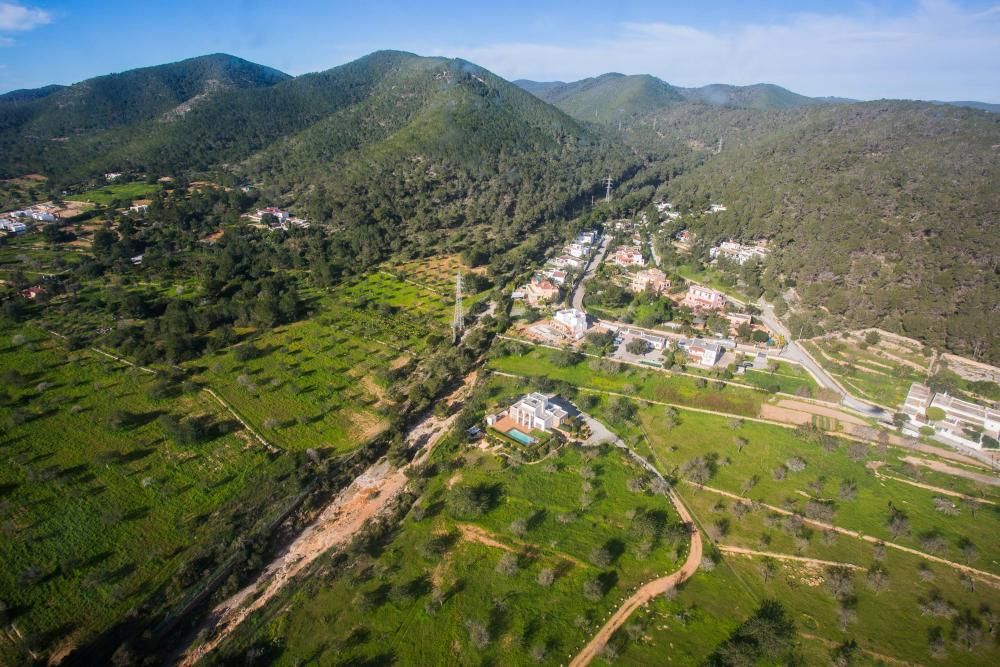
138	209
564	261
575	321
701	352
112	176
13	226
716	208
558	276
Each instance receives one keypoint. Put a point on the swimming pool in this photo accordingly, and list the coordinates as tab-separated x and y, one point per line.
522	438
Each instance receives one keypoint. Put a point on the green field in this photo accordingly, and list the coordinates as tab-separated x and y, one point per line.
436	595
787	378
770	447
606	375
117	191
100	508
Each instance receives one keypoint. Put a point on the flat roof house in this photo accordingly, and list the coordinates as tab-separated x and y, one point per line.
702	351
535	411
964	422
573	320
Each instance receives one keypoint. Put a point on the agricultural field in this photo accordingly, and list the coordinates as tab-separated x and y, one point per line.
436	273
508	564
31	257
116	488
325	382
879	371
104	195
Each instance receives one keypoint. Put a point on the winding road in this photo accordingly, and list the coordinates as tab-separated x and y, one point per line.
595	263
650	590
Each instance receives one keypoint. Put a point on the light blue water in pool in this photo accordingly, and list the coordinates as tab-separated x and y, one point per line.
522	438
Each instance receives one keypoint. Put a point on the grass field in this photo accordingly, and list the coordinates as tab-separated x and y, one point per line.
751	470
607	375
787	378
109	193
99	508
443	591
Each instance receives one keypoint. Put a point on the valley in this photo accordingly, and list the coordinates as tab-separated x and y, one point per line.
404	363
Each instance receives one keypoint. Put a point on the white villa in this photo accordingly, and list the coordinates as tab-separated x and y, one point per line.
738	252
716	208
573	320
960	418
533	411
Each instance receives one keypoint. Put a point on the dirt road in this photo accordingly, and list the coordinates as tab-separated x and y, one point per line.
986	577
646	592
335	525
728	549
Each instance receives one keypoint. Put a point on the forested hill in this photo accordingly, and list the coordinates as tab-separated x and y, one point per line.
882	213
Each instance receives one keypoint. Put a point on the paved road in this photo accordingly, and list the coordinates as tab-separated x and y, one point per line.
595	262
794	352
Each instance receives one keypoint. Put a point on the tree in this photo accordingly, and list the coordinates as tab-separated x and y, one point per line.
593	590
637	346
768	568
897	522
507	565
546	576
877	577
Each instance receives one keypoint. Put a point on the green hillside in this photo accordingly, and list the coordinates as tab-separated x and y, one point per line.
607	98
883	213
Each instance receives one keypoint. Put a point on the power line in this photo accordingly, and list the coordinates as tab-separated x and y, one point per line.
607	193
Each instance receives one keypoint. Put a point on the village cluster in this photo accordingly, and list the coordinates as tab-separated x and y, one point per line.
552	286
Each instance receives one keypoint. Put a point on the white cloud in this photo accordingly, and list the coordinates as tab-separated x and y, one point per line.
935	51
18	17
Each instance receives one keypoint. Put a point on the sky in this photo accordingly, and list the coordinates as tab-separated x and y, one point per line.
924	49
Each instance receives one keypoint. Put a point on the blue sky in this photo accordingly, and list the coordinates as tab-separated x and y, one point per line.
929	49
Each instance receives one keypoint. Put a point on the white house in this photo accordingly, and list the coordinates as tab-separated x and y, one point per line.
738	252
563	261
534	411
138	209
558	276
578	249
586	238
112	176
702	351
573	320
279	214
716	208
